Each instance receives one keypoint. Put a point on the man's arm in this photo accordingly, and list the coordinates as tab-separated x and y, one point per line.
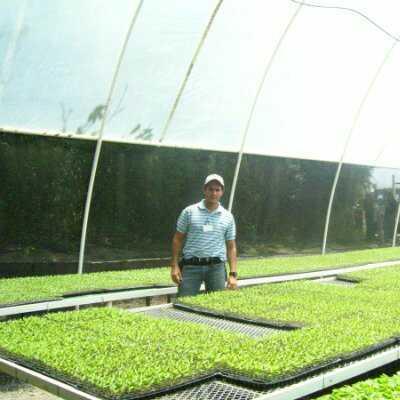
231	253
177	244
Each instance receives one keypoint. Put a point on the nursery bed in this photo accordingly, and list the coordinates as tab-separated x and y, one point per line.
126	294
26	290
144	354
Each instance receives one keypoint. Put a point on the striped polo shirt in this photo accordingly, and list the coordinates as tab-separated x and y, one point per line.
206	231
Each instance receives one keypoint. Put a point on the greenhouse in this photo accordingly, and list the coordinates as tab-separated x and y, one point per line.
111	117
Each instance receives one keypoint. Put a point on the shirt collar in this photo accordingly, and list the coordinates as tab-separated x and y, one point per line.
202	206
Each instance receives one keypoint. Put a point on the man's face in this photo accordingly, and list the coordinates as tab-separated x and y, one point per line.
213	192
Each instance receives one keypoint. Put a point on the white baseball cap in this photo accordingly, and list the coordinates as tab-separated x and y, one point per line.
214	177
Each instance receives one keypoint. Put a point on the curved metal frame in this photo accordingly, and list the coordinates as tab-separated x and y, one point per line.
351	10
100	140
189	71
349	135
260	87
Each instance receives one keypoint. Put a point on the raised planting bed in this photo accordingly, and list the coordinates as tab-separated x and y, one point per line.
288	265
33	289
384	387
27	290
385	279
308	302
114	352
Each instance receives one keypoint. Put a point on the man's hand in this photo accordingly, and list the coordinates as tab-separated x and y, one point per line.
176	274
232	283
231	252
177	243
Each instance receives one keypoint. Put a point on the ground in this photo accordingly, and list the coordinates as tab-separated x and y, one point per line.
13	389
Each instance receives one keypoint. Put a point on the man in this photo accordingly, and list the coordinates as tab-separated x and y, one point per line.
207	230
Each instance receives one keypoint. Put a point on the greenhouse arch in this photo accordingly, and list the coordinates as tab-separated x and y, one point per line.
273	85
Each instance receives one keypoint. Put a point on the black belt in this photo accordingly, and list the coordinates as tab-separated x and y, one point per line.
201	261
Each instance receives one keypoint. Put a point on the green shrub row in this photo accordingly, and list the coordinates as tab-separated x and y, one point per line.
37	288
384	387
121	352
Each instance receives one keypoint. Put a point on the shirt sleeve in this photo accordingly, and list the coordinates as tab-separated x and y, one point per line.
230	233
183	221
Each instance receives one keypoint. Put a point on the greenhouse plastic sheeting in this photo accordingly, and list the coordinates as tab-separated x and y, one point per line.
57	60
334	73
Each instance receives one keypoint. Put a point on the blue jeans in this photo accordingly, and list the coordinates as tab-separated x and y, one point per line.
213	276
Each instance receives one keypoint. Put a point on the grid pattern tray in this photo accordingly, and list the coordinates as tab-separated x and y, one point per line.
214	390
237	327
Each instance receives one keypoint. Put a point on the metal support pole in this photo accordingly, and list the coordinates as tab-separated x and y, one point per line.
260	87
396	224
189	71
349	135
100	140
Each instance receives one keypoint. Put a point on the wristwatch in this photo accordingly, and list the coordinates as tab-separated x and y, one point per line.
234	274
